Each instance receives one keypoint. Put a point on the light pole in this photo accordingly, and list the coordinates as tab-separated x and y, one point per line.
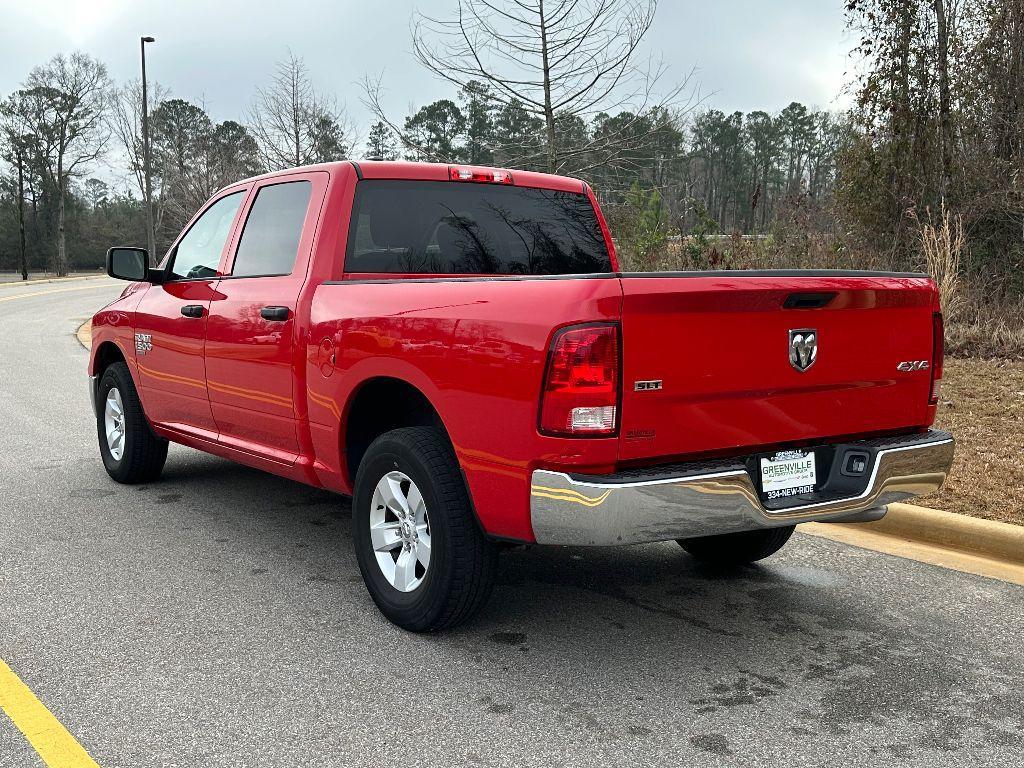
150	229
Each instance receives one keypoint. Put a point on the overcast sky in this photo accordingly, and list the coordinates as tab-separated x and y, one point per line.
749	54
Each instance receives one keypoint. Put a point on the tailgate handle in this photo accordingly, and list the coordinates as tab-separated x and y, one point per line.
808	300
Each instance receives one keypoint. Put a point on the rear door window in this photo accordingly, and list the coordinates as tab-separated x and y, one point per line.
273	229
439	227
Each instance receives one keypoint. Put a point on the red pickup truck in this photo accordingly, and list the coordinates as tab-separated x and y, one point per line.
455	348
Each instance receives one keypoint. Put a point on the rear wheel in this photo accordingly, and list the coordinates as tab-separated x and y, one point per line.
131	452
425	561
732	549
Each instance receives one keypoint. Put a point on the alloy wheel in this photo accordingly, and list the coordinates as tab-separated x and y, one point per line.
400	531
113	423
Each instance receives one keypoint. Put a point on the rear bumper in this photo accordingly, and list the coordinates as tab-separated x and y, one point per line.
709	498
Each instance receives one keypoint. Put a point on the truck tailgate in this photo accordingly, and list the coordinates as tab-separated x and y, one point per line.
720	347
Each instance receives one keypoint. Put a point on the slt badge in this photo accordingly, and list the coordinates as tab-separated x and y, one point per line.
803	348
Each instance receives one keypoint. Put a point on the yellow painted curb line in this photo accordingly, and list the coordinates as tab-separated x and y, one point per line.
970	544
51	740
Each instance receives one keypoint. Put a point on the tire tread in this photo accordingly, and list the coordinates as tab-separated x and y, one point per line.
145	453
474	556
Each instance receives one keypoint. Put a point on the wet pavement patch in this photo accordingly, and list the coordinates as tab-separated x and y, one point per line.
715	743
508	638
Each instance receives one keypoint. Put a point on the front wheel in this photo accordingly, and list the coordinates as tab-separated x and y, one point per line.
425	561
732	549
131	452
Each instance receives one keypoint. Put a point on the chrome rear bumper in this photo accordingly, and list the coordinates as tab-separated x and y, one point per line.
709	498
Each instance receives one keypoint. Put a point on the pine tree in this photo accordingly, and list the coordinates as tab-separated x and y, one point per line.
381	144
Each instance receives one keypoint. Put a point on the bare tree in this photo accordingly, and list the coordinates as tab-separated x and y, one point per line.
66	102
125	118
293	124
942	24
14	148
561	60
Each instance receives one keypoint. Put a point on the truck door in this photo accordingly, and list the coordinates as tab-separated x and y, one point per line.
170	326
252	354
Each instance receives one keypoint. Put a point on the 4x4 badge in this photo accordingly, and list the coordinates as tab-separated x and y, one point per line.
803	348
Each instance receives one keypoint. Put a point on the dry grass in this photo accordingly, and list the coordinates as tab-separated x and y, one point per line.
789	251
985	329
983	406
942	245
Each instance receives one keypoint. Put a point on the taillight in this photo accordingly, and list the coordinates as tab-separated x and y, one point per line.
487	175
581	382
938	350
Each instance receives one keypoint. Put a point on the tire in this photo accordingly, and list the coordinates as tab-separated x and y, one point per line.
460	562
733	549
142	453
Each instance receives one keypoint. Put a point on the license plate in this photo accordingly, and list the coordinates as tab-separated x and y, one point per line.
788	473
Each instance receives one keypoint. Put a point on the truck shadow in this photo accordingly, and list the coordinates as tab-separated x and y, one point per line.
808	636
656	583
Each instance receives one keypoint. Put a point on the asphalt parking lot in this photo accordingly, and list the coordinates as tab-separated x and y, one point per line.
217	618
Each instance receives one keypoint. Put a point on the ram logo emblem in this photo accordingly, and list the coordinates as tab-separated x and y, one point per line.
803	348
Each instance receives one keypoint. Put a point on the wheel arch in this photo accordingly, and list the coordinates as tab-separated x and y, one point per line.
377	405
107	353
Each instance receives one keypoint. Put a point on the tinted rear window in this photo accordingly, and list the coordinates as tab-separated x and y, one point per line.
270	239
441	227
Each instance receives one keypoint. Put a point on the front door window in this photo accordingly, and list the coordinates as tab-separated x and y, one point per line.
197	255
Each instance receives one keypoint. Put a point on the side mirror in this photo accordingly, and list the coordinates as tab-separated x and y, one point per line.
128	264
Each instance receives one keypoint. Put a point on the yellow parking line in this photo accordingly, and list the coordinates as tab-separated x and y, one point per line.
55	290
57	747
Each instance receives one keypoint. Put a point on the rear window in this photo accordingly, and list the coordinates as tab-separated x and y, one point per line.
440	227
270	239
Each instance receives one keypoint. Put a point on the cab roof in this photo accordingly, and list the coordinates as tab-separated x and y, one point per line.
410	171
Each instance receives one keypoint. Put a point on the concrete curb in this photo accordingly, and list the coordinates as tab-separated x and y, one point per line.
84	334
38	281
988	538
969	544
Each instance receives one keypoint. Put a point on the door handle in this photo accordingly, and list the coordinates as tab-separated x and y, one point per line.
192	310
274	313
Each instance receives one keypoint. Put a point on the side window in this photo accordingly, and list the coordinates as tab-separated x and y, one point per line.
198	252
270	239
